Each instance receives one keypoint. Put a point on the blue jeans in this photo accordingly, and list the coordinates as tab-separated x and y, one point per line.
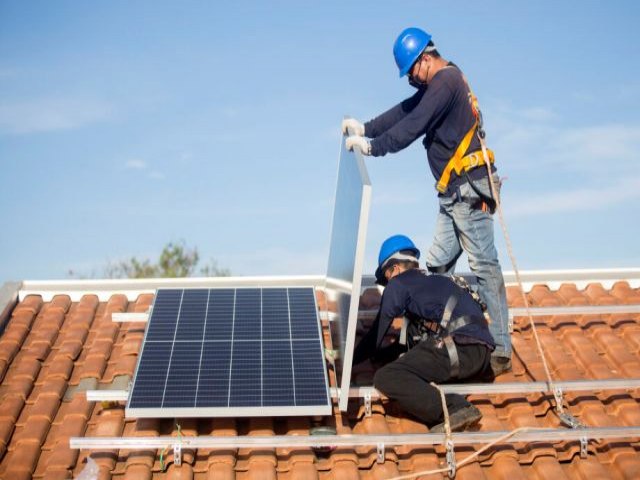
462	224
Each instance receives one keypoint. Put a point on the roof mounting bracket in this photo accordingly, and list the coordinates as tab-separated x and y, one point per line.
380	449
451	458
557	395
570	421
584	443
367	403
177	454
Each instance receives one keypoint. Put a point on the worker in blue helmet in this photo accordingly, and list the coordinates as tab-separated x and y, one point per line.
444	338
445	114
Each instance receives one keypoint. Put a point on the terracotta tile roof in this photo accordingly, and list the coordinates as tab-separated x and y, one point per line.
52	352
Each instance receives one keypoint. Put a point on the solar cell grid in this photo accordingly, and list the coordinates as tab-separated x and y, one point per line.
225	352
219	310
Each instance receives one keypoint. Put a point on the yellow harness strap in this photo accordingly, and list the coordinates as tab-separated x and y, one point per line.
459	163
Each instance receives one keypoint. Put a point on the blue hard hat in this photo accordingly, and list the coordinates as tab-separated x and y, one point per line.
408	47
392	245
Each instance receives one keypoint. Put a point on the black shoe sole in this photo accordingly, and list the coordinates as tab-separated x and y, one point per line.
464	418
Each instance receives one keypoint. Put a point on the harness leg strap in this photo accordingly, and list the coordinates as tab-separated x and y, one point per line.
453	356
403	331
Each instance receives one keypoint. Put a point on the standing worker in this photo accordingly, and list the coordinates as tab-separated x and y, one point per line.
445	112
445	337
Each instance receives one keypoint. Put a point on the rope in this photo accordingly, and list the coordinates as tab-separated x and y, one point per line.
503	224
468	459
512	258
559	406
445	410
449	439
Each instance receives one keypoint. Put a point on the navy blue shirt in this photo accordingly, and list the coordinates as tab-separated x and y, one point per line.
441	112
417	295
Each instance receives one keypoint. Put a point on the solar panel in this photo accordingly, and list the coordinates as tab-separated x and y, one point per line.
231	352
346	258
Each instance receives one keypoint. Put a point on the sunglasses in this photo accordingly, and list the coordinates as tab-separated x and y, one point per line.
411	76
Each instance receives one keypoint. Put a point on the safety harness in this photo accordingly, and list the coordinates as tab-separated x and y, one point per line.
440	332
460	163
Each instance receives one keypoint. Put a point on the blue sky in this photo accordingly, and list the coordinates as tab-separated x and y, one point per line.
126	125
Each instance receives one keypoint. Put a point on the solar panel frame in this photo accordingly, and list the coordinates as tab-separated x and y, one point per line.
346	260
178	383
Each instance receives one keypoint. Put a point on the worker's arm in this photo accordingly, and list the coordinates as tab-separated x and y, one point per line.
383	122
392	305
430	110
366	347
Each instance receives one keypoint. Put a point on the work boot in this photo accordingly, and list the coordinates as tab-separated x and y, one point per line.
500	365
460	419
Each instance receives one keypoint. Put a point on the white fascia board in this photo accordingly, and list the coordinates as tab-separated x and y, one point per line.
132	288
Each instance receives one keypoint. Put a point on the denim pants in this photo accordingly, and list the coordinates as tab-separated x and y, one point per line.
462	224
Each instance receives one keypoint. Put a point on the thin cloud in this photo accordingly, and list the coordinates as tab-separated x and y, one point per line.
51	114
539	114
577	200
8	72
519	135
136	164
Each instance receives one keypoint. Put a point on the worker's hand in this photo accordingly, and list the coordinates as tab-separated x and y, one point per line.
360	142
356	127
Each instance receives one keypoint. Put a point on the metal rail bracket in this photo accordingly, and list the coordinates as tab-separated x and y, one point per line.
584	443
451	458
557	395
177	454
570	421
367	404
380	449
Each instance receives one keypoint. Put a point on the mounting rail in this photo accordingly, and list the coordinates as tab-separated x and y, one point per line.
287	441
462	389
575	310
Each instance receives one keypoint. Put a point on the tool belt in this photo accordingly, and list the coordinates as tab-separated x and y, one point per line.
460	162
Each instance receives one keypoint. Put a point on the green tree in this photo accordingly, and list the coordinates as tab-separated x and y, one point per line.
176	260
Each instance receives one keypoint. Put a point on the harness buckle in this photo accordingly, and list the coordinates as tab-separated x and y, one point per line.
474	160
481	132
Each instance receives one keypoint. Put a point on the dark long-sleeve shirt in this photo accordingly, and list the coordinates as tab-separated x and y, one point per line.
441	112
418	296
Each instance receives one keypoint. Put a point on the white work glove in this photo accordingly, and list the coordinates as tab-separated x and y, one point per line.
356	127
360	142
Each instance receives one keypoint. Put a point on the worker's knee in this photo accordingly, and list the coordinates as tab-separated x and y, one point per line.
388	380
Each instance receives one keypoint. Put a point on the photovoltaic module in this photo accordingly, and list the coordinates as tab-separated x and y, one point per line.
231	352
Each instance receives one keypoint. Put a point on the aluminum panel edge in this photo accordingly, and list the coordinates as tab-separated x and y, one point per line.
346	259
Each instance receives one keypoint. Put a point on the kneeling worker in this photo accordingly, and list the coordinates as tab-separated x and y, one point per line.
445	332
